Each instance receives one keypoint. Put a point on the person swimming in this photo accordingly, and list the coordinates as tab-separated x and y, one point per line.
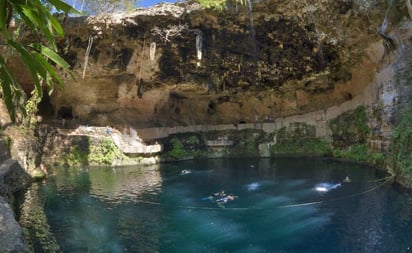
325	187
215	195
220	198
220	194
347	179
184	172
227	198
221	202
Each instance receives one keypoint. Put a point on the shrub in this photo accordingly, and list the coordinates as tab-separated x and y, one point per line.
401	148
360	153
178	151
105	152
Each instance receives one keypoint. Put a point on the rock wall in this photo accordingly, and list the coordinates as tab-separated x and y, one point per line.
176	65
177	68
12	179
11	238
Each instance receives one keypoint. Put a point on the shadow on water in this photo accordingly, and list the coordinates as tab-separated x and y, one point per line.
276	209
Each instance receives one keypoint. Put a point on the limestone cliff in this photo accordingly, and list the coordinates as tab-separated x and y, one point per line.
181	65
324	68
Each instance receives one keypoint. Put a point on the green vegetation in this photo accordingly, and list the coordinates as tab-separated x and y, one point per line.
302	146
31	110
361	120
213	4
360	153
219	4
178	151
193	140
245	143
105	152
350	132
401	148
40	57
100	152
350	128
299	139
8	141
77	156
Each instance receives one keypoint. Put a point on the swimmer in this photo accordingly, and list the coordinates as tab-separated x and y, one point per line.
253	186
184	172
325	187
347	180
220	194
226	199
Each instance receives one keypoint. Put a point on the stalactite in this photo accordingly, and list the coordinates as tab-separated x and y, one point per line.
152	51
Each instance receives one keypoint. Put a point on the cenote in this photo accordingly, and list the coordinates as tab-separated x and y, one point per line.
276	208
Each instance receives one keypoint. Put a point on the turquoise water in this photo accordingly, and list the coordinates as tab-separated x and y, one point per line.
276	208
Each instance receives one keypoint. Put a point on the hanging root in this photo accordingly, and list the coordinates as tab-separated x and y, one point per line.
388	42
409	7
86	57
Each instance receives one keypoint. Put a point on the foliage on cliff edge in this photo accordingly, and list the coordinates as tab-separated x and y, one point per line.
401	149
39	57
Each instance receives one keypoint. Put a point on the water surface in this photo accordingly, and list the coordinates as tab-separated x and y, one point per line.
276	209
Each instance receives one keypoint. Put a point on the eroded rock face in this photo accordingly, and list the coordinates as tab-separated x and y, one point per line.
12	179
185	66
11	238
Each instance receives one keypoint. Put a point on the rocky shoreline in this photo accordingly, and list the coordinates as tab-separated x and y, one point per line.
13	178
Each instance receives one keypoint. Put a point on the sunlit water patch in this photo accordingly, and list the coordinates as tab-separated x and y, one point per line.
276	207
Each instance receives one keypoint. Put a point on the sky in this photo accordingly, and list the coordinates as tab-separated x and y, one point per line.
140	3
146	3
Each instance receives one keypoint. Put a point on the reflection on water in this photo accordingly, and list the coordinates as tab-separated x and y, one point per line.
277	208
111	184
36	229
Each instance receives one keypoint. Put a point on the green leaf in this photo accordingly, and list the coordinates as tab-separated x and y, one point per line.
8	84
18	9
48	67
56	26
52	56
35	67
40	22
3	14
41	60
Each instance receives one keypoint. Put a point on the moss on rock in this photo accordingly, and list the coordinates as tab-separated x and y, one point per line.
350	128
360	153
182	147
93	151
299	139
401	149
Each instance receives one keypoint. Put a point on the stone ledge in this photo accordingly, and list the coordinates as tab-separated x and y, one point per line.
12	179
11	237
